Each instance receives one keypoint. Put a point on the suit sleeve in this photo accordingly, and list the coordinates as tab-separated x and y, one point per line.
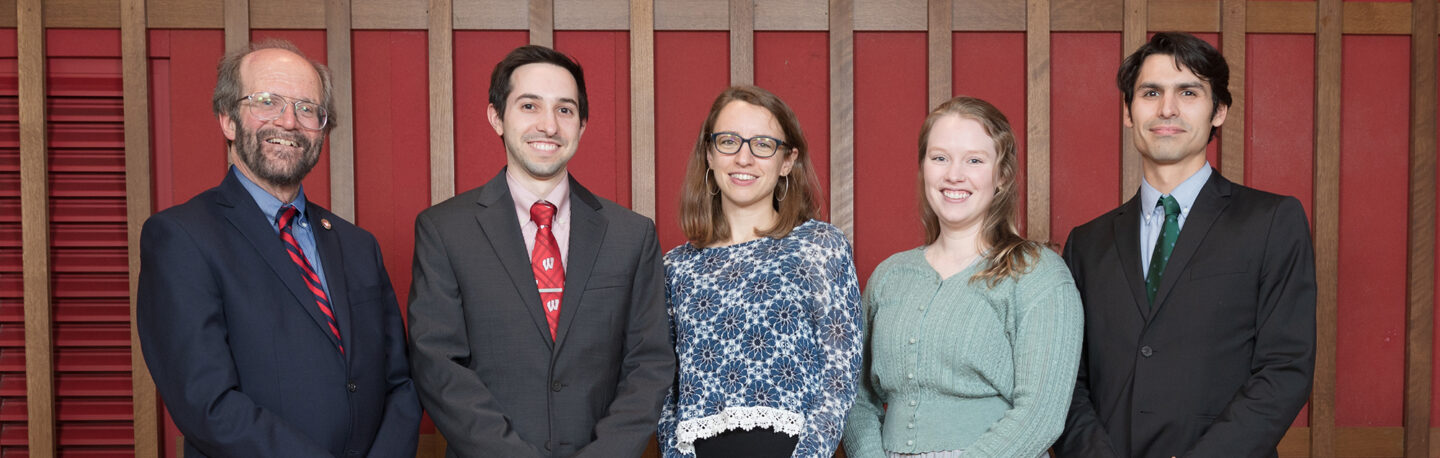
184	338
648	370
399	430
1084	434
862	424
837	321
459	403
1284	360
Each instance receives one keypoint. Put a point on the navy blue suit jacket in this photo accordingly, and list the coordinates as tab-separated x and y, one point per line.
240	352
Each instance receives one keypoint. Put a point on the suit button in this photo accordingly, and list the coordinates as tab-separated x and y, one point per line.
351	386
1146	351
555	386
547	445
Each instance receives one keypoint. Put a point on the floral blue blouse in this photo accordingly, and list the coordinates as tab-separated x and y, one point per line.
768	334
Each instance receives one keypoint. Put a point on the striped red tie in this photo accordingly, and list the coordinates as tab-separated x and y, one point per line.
545	260
312	281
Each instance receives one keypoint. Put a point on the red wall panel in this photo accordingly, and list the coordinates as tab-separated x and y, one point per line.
890	97
602	164
691	68
188	150
796	67
1370	357
479	153
1085	129
991	66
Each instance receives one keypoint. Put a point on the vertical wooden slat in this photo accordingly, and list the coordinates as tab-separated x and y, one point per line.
1420	281
1132	36
237	24
742	42
1037	120
542	23
1327	222
342	137
35	228
842	115
642	107
136	79
941	55
1232	134
442	100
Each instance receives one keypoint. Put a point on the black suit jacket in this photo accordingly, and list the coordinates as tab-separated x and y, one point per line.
1222	362
239	350
490	375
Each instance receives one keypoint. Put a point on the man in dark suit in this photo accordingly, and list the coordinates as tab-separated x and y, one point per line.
537	315
269	323
1199	293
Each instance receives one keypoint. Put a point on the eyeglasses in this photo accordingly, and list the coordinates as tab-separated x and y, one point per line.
760	145
269	107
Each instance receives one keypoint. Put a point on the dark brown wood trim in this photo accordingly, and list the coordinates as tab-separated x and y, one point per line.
842	115
1327	223
342	137
1420	274
642	107
742	42
35	229
1037	120
442	100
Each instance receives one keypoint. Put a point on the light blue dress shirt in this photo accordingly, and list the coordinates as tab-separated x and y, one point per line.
1152	216
270	207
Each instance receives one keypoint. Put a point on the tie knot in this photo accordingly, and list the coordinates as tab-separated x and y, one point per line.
287	215
1172	207
542	213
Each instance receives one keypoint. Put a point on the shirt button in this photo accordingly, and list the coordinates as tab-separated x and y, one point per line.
912	341
1146	351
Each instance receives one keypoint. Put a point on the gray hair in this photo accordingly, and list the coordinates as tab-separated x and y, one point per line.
229	87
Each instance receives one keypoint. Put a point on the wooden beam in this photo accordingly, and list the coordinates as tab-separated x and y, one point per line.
1131	38
792	15
842	115
442	101
995	15
1420	271
941	55
1037	120
342	136
542	23
1327	223
889	15
135	74
35	228
642	107
742	42
237	24
1232	133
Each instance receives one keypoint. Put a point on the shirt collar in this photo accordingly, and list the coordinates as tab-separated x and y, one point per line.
524	199
1184	194
269	205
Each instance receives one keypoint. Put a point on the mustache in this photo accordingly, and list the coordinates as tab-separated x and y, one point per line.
300	141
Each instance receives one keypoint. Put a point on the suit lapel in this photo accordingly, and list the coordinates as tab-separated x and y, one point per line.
242	212
587	230
1213	199
1127	242
327	242
499	226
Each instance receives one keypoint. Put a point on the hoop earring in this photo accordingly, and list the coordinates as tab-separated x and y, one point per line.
707	184
781	197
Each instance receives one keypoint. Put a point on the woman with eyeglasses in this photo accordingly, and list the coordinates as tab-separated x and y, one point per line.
763	300
974	337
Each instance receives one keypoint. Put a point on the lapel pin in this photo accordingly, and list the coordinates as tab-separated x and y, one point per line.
325	223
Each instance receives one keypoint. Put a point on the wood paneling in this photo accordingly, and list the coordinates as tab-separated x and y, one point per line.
342	136
387	14
185	14
1232	133
1280	17
842	116
1132	37
940	41
1037	120
136	79
642	107
742	42
442	101
1389	18
592	14
689	15
1326	217
237	24
893	15
989	15
35	229
1184	15
791	15
286	14
489	14
1087	15
1420	269
542	23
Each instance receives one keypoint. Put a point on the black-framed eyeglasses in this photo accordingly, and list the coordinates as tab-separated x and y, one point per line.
760	145
269	107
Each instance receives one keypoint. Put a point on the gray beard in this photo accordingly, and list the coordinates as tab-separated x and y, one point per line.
249	149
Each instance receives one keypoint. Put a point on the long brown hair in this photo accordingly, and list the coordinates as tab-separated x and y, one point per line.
700	214
1009	254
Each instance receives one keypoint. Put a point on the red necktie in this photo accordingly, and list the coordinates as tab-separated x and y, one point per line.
287	215
545	260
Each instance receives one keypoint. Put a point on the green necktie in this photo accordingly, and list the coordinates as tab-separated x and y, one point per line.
1163	246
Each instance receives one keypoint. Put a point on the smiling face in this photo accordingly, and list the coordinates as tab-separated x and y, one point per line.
1170	116
746	181
959	173
542	125
277	152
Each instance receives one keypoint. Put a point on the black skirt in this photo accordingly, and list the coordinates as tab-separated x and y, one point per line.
757	443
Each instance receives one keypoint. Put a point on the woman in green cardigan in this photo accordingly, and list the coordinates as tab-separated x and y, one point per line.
972	340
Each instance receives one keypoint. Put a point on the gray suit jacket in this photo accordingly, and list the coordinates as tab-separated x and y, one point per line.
481	353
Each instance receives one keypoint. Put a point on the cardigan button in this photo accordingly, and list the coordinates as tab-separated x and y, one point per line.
912	341
909	442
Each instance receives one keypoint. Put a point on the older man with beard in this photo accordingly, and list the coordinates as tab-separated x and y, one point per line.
268	323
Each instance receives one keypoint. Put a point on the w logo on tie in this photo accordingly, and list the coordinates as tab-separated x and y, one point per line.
548	263
552	305
549	280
